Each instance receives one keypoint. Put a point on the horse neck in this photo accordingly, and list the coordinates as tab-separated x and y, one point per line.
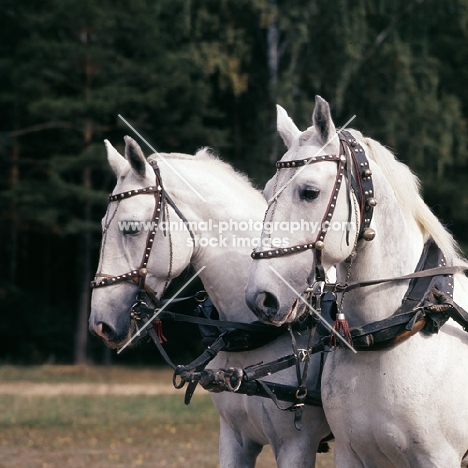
226	267
394	252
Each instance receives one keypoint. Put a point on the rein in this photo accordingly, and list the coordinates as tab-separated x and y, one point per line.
233	337
429	273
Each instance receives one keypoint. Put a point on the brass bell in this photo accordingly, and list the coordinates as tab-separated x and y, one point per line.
371	202
368	234
142	272
319	245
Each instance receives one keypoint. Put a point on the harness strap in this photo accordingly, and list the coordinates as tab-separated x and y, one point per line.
384	333
427	303
275	391
258	371
241	381
279	392
179	214
199	296
302	390
254	326
448	306
151	332
419	274
360	179
198	364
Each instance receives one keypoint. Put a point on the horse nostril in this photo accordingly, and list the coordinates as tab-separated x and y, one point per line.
263	304
112	334
105	330
270	302
102	330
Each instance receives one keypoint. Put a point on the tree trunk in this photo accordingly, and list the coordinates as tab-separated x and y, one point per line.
13	247
81	330
85	242
272	61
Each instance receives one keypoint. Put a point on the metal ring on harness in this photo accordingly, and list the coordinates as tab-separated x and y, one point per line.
182	382
301	392
233	378
201	296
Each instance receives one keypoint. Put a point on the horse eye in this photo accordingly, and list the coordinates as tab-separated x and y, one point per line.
130	228
309	193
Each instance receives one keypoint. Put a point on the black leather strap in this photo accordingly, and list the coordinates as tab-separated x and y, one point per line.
431	272
279	392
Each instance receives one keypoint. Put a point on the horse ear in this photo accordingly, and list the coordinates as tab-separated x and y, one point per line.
116	160
135	156
286	127
322	120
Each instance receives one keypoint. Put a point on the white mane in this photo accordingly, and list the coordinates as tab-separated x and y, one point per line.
406	187
215	165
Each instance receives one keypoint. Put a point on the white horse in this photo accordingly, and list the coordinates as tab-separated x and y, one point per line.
247	423
403	406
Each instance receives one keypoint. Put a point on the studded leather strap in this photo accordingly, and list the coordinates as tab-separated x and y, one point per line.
306	161
361	183
361	180
318	243
132	193
137	275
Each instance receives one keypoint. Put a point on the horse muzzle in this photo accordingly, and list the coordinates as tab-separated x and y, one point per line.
109	334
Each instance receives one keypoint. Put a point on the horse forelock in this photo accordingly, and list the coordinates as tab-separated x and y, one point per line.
306	138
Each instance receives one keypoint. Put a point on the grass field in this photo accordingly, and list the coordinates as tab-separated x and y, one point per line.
103	431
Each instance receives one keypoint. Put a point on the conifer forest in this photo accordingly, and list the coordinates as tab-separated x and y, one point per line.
189	74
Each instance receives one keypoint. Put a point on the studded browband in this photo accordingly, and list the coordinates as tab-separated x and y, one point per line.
361	184
132	193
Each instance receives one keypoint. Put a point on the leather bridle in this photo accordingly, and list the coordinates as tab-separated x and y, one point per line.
354	162
138	275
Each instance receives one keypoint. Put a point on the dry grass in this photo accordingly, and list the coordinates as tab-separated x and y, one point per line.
104	431
91	374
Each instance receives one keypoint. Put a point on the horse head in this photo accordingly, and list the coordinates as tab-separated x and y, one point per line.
304	197
137	259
